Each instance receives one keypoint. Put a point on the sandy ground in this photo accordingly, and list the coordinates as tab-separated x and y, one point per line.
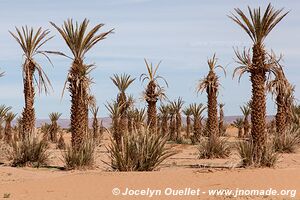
177	173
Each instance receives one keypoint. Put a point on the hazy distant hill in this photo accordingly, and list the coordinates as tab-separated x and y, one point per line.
64	123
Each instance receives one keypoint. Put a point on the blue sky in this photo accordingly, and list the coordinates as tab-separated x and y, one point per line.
183	34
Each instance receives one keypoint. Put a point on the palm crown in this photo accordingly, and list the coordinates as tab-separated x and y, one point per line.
258	25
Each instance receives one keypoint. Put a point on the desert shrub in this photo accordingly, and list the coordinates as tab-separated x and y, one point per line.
139	151
246	151
61	142
80	158
217	148
30	151
290	142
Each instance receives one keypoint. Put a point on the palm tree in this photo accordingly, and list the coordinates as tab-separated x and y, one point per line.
153	92
115	116
31	41
246	110
282	91
257	26
54	117
122	82
197	110
172	126
239	124
79	40
3	111
9	117
221	120
177	105
95	123
139	118
187	111
210	83
164	111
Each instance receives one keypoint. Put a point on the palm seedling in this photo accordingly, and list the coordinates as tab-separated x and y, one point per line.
153	92
79	40
257	25
9	117
31	41
210	84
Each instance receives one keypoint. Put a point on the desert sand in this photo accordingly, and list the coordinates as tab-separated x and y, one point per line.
183	170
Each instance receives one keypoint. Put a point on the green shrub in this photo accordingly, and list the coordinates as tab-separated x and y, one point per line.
31	151
246	151
290	142
80	158
139	151
217	148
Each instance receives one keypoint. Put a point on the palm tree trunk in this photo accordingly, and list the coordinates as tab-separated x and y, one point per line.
28	114
164	125
258	105
246	127
8	132
212	120
178	126
221	123
151	120
188	126
280	116
79	108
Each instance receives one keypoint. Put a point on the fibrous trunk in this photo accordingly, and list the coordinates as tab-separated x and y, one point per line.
28	114
258	105
79	106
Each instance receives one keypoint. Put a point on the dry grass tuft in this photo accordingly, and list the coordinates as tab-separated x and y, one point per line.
82	158
217	148
139	151
31	151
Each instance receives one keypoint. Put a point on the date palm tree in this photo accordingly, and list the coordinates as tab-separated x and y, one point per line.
153	93
258	26
210	84
239	124
95	124
54	117
164	111
187	111
3	111
281	90
79	40
246	110
197	110
31	41
9	117
139	118
115	116
221	120
122	82
177	106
